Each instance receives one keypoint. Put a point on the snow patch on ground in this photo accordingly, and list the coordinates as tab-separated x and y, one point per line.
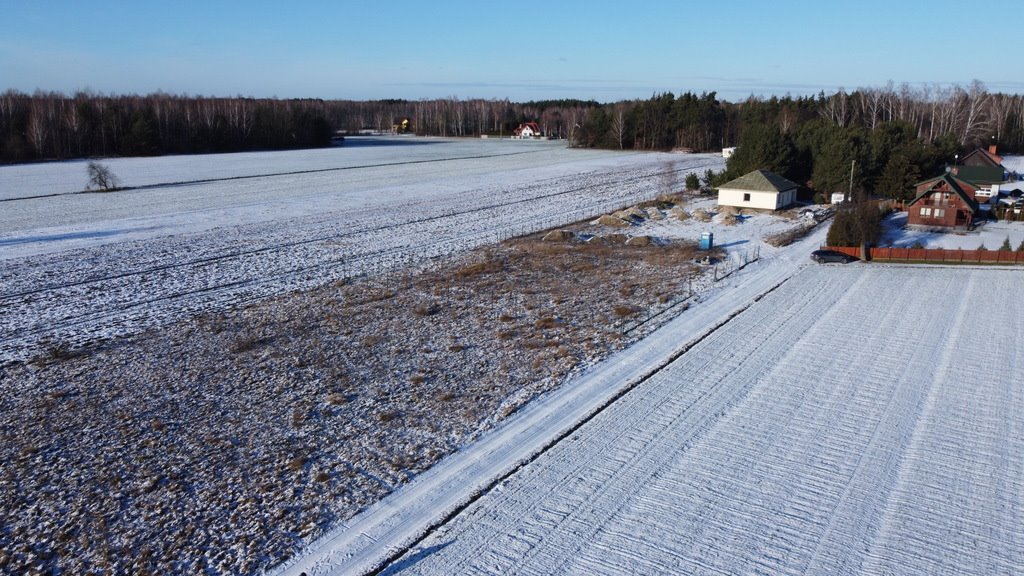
990	234
1014	164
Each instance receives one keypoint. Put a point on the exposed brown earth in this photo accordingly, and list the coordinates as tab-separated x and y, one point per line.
222	443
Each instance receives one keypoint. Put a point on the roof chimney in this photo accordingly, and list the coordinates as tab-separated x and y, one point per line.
992	149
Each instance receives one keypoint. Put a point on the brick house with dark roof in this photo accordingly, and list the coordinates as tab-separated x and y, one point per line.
982	169
945	202
982	157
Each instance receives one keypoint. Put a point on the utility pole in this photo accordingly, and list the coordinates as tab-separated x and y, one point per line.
849	191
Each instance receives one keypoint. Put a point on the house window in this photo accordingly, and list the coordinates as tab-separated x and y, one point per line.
746	197
926	212
940	213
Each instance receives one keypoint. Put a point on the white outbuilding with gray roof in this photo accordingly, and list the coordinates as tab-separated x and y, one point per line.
760	189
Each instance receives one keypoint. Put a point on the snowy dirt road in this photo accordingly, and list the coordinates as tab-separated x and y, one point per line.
822	430
235	228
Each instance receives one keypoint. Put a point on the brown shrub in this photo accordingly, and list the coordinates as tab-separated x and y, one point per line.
625	310
249	342
546	322
388	415
489	265
337	398
789	236
425	308
297	463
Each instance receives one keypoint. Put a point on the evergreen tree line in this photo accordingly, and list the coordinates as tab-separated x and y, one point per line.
967	116
49	125
874	142
885	161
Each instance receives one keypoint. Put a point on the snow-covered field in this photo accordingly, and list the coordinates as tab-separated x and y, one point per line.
1014	164
208	232
796	419
26	180
821	430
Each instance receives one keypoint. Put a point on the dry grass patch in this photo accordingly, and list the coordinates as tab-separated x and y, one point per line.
297	463
624	310
337	399
546	322
488	265
787	237
248	343
424	308
388	415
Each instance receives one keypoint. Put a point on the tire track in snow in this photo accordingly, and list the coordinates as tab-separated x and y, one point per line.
959	482
795	475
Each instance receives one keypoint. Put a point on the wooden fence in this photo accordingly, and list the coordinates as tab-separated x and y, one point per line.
937	255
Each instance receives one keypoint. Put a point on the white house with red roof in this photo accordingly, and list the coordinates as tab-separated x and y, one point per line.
527	130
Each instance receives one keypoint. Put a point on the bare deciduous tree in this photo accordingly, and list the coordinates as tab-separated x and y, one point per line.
619	123
976	104
101	178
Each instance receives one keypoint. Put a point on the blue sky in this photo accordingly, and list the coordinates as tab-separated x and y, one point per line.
521	50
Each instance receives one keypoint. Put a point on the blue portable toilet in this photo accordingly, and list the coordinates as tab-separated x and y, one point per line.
707	240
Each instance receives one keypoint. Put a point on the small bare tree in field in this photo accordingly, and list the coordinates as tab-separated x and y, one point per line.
667	178
101	178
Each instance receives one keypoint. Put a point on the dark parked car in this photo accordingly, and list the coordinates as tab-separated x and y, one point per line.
827	256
